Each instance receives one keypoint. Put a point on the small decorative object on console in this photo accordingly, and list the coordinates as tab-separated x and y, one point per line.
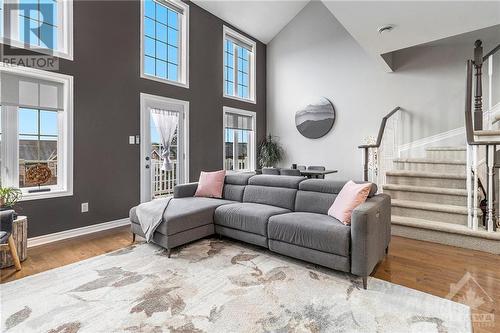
38	174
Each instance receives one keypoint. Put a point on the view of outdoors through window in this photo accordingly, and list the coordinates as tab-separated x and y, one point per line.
236	70
236	144
38	23
161	41
38	135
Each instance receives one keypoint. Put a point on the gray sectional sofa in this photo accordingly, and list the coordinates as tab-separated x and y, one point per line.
285	214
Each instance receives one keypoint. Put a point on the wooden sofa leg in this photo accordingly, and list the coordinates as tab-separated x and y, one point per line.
168	253
365	282
387	250
133	238
13	253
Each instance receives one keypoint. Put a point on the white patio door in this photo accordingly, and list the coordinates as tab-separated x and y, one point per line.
164	145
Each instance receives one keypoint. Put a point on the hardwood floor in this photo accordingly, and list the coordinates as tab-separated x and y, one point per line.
428	267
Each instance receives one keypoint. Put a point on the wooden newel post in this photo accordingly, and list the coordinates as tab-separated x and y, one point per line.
478	95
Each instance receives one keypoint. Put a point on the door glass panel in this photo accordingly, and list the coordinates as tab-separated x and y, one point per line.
228	146
162	181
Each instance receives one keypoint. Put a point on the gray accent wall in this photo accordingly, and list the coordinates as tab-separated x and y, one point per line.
106	111
315	56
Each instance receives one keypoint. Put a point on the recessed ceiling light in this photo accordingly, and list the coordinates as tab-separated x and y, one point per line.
385	28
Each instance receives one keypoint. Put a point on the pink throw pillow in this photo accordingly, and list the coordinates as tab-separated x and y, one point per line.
211	184
350	197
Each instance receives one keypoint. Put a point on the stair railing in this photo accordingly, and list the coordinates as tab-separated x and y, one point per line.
488	139
366	148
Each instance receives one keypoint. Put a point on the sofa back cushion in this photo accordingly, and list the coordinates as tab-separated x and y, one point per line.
274	196
272	190
233	192
314	202
276	181
318	195
234	186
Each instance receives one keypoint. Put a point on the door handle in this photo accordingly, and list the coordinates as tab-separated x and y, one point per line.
147	166
147	158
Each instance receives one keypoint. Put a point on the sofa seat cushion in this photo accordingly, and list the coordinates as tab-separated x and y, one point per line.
246	216
186	213
315	231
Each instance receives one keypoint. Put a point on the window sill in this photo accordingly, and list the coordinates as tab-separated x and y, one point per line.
252	101
49	52
157	79
46	195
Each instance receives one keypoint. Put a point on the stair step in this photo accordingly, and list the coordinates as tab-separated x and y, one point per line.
446	233
459	148
427	179
431	211
430	165
441	226
447	196
487	136
446	153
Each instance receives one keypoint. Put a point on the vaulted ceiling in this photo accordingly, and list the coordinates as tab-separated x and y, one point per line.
415	22
259	18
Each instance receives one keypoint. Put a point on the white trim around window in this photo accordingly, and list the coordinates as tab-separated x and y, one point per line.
9	145
252	145
183	55
64	47
240	40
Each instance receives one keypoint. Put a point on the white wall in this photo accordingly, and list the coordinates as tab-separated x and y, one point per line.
314	56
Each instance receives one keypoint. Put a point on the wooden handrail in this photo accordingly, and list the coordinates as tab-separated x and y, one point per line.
381	129
377	143
492	52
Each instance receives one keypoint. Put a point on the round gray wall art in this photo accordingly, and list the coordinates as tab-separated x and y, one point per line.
315	120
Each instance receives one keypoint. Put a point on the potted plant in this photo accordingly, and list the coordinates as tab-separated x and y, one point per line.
270	152
9	196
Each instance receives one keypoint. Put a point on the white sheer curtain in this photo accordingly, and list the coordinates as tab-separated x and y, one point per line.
166	123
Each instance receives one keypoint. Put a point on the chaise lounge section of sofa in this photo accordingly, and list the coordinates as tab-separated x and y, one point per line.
285	214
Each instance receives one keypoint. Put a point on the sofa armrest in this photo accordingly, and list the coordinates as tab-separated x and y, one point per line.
185	190
6	220
370	234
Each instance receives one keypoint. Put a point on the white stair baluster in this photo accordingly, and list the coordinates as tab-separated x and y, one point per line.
490	187
468	184
475	199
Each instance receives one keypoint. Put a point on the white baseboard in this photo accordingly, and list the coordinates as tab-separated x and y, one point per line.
45	239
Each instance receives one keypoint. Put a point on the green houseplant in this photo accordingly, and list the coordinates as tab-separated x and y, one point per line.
270	152
9	196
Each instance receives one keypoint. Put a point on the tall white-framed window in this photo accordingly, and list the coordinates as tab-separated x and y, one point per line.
44	26
239	140
36	111
239	66
165	41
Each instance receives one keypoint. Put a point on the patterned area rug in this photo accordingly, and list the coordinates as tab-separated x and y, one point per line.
216	286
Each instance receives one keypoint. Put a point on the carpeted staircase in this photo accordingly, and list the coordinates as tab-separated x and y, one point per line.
429	200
